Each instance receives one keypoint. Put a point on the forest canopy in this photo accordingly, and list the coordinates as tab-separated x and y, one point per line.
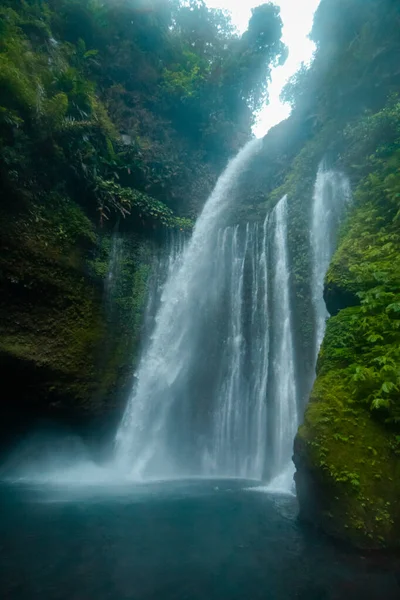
117	103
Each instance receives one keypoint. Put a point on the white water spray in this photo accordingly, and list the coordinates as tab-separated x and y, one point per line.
143	443
331	194
238	428
285	412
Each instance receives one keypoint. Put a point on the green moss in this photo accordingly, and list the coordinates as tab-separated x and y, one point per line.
51	316
352	460
53	313
123	310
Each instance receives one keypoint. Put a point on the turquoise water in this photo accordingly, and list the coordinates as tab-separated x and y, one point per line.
182	540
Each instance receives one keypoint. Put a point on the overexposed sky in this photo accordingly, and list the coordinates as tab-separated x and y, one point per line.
297	17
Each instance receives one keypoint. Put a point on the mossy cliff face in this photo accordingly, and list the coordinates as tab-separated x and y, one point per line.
348	464
63	352
347	452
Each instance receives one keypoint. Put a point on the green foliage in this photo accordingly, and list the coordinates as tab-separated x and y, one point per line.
56	110
111	195
352	458
366	264
68	92
184	82
262	47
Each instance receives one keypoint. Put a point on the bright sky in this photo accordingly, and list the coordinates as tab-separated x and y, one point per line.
297	17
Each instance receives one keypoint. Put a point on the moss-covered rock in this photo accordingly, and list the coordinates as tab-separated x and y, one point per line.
63	352
347	452
348	463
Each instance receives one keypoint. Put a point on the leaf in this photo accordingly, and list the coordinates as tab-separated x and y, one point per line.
388	386
91	53
379	403
395	307
374	337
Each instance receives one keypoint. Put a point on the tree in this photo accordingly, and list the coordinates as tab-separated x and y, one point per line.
259	49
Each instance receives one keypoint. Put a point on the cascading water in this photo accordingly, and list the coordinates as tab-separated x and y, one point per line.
257	382
284	412
215	391
238	426
331	194
165	261
173	369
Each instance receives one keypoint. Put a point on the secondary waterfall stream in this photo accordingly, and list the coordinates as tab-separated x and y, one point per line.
285	410
331	194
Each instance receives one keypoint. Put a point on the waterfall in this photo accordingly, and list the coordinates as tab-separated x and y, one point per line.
284	411
331	194
166	260
215	392
238	427
154	437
